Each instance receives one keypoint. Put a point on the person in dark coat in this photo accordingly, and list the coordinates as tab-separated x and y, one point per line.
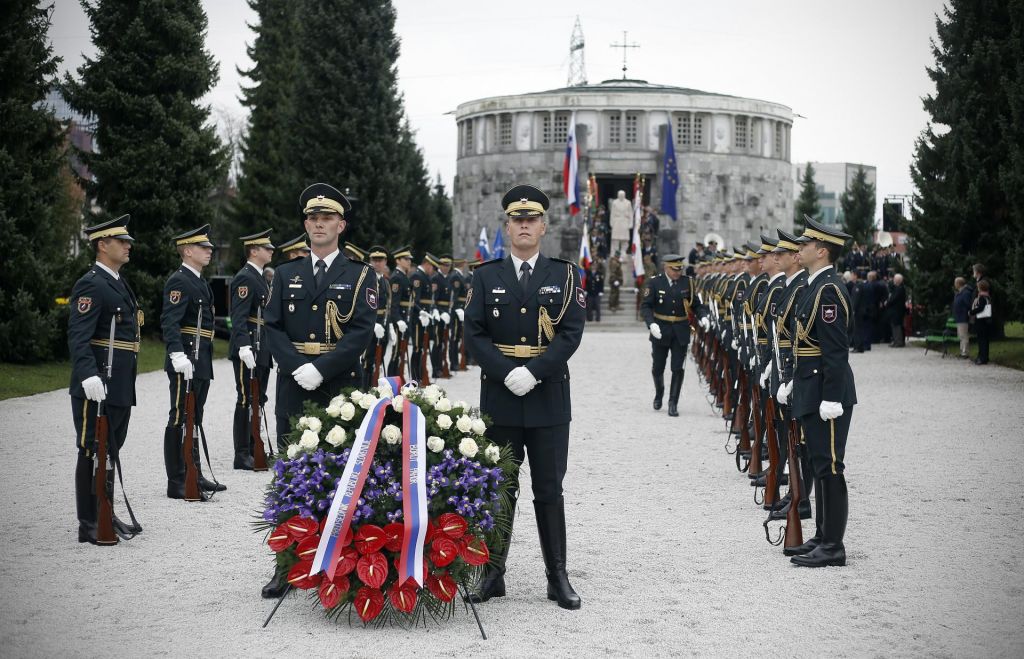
896	309
595	288
981	314
962	299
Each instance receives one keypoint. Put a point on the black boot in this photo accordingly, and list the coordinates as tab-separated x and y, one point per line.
492	583
240	434
674	387
659	389
174	464
85	499
276	586
204	484
836	507
551	526
819	516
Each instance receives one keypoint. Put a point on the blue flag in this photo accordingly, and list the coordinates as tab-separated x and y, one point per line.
498	251
669	179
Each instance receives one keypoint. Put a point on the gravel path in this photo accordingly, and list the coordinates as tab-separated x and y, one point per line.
665	542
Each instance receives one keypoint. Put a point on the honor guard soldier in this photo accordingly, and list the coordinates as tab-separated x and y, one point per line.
319	318
524	319
401	304
822	387
187	322
443	317
471	266
249	354
359	255
668	307
296	248
457	286
423	313
101	303
381	338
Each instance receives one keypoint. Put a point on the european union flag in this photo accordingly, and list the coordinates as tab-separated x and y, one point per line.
669	179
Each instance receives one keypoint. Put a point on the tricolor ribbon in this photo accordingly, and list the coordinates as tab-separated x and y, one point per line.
414	493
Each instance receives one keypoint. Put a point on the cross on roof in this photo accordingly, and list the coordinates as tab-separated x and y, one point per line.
624	45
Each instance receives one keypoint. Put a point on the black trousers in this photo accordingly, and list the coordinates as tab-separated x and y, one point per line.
454	339
548	452
242	378
983	329
418	346
660	353
594	307
826	442
177	385
84	413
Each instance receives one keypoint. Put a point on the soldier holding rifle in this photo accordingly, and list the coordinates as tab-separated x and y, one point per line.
401	304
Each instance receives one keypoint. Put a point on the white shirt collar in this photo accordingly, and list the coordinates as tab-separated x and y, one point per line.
790	280
816	273
517	262
194	271
775	276
259	269
109	271
329	259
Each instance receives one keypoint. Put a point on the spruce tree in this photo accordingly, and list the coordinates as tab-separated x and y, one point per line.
807	203
967	166
38	217
858	204
159	156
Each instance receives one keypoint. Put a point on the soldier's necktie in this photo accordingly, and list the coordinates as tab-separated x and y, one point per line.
318	276
524	275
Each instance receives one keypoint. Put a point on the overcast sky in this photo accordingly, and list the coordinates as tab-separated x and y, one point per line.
855	71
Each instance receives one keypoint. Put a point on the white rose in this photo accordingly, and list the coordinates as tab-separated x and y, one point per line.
397	402
301	424
432	393
348	410
444	422
336	436
391	434
338	400
479	427
468	447
459	405
443	405
333	411
492	452
435	443
313	424
464	424
367	401
293	450
310	440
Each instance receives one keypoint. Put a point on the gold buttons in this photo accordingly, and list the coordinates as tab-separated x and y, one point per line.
314	307
523	310
523	339
312	336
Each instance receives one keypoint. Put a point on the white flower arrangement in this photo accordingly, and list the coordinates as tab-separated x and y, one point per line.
464	424
435	443
391	434
479	427
336	436
468	447
492	453
444	422
309	441
443	405
348	410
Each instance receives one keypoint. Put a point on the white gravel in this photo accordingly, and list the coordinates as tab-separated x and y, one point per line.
665	542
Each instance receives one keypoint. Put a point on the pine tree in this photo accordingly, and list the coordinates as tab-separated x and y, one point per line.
159	157
858	204
38	218
968	172
807	203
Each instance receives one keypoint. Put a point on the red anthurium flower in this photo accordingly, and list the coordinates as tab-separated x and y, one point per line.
307	548
299	577
431	532
442	587
368	603
301	528
452	525
403	597
342	582
394	532
443	551
330	594
347	560
475	552
372	569
280	540
370	538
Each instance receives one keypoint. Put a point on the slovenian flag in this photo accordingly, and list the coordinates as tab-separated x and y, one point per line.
482	252
570	168
584	259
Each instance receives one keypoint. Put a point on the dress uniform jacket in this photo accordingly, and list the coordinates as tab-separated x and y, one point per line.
670	307
441	292
95	299
784	325
539	328
184	295
401	300
457	286
328	325
249	291
764	317
823	321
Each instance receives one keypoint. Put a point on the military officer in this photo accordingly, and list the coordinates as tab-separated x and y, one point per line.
423	312
249	356
379	262
101	297
401	304
823	387
443	318
524	320
668	307
457	286
319	318
296	248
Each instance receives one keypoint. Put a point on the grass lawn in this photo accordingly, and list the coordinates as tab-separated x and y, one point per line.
1006	352
24	380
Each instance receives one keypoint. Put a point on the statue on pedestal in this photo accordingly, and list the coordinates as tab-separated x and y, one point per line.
620	212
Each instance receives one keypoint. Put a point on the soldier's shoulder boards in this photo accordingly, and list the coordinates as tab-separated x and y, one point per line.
491	262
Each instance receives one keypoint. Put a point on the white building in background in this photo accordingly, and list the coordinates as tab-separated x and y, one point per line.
832	179
733	158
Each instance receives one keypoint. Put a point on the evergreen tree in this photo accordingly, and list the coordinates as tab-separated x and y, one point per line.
442	214
968	173
858	204
807	203
159	158
38	218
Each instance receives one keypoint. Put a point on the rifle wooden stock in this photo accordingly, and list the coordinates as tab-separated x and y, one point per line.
755	450
794	532
403	345
424	349
743	413
192	492
462	353
259	453
378	357
445	372
725	386
104	509
771	489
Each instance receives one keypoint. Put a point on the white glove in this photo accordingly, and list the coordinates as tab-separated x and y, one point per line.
615	284
655	330
245	354
378	330
735	344
392	336
784	390
94	389
830	410
767	374
402	326
753	364
308	377
436	315
181	364
424	319
520	381
705	323
446	318
461	314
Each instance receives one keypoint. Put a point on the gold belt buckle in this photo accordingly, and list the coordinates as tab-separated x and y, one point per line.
310	348
523	351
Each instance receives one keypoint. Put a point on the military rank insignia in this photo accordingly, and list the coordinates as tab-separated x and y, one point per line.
371	298
394	288
416	283
581	297
174	297
84	304
647	292
829	312
243	292
772	309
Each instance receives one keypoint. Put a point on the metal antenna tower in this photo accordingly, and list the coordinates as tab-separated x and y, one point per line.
577	63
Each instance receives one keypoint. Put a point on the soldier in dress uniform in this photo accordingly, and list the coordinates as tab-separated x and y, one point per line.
102	295
668	307
187	320
296	248
319	318
524	320
423	312
401	304
249	290
457	286
443	317
823	387
471	267
378	256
